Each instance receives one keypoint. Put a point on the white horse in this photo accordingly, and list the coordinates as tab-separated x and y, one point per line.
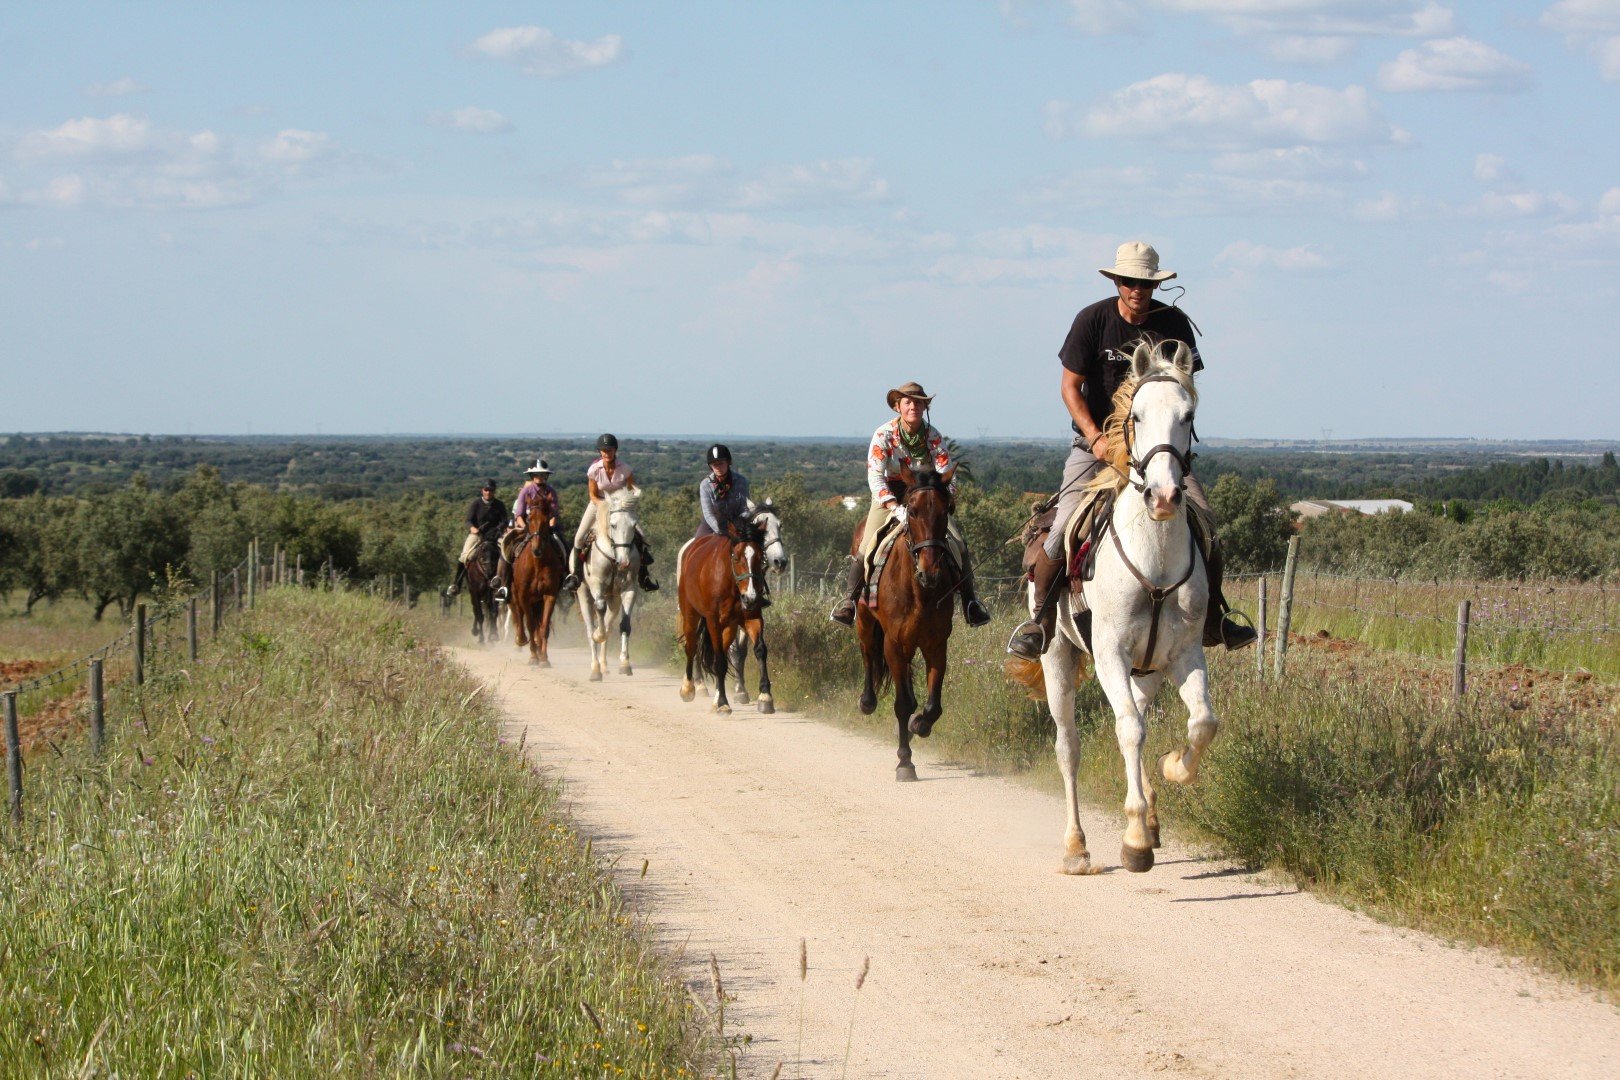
609	578
764	519
1147	602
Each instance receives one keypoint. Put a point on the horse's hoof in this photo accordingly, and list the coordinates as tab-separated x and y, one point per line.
1077	865
905	773
920	727
624	669
723	710
868	704
543	662
766	705
596	676
1136	860
688	691
521	641
1153	834
740	697
1172	769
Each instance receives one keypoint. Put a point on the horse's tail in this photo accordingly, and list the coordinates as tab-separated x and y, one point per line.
708	657
883	678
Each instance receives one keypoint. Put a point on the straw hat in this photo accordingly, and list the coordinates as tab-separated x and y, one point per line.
1135	259
539	468
910	390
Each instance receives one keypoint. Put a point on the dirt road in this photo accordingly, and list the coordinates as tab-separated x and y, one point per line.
759	831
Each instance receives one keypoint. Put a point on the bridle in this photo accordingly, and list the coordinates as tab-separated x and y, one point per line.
1138	466
606	534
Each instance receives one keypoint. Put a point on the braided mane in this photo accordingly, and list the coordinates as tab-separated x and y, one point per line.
1146	354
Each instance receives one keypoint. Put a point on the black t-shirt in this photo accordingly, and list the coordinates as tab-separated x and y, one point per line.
487	517
1100	342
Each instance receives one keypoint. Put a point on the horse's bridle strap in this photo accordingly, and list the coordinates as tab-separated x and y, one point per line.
1156	593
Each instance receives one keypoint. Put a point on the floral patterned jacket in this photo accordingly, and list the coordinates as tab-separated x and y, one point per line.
887	454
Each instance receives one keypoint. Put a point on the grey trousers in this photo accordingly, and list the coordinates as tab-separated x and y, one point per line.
1078	471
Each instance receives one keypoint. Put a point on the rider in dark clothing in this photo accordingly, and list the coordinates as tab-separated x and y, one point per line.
486	518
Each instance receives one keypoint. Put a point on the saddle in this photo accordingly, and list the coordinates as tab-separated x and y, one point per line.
1085	528
888	533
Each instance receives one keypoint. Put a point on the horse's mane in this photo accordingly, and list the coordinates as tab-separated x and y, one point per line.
1119	450
625	498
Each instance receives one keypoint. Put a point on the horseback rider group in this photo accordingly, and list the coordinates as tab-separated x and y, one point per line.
1093	367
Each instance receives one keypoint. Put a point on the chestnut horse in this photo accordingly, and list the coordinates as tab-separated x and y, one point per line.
720	581
916	598
537	574
481	589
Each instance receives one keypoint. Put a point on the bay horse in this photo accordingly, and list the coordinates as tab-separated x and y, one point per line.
608	578
537	574
481	589
915	601
1147	599
765	519
720	586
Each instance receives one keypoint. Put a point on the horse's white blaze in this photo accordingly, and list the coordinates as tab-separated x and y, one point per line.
750	591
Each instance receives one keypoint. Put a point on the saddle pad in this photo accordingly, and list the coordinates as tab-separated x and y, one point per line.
878	560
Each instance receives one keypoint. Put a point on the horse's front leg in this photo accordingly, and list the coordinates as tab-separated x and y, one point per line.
756	631
1193	682
739	662
1114	674
593	636
690	628
905	703
540	636
1057	666
933	654
627	603
1144	689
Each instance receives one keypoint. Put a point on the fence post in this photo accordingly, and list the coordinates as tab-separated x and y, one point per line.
1285	610
13	757
252	572
236	588
1260	630
405	589
298	569
191	630
140	644
98	709
213	593
1459	683
793	574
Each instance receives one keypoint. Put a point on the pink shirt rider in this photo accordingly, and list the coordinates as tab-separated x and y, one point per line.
604	484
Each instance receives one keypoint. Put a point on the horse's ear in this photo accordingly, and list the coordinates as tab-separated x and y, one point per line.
1142	360
1179	356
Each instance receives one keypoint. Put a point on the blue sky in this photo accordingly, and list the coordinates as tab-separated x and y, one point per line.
1391	217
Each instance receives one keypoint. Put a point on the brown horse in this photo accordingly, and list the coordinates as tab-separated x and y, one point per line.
537	574
916	596
481	589
720	583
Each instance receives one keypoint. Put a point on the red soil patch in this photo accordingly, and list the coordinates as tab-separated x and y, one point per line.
13	672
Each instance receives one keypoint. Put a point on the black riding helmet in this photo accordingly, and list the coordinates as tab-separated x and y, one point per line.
718	452
606	442
487	485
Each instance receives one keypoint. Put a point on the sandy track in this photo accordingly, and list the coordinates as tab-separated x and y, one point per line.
758	831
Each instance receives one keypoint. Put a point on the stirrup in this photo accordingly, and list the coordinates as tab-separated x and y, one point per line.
1234	634
970	606
501	594
841	616
1017	638
571	582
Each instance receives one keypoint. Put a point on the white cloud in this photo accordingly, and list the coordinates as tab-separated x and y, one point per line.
471	118
117	88
1246	257
706	181
88	138
1104	16
1489	168
820	183
1293	162
293	146
1318	51
1511	204
1313	32
1590	26
1457	63
537	51
1192	109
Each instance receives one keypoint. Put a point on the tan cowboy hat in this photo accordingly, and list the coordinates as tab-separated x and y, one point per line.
539	468
910	390
1135	259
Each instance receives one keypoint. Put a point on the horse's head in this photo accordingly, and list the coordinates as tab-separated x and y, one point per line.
748	571
770	536
1158	424
928	504
622	522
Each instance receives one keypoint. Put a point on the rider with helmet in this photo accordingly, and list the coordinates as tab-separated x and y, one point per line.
537	496
911	441
722	494
606	475
486	516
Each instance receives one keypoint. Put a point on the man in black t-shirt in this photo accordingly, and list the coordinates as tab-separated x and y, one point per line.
486	519
1095	362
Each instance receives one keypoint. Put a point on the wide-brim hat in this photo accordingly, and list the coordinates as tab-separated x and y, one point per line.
910	390
539	468
1137	260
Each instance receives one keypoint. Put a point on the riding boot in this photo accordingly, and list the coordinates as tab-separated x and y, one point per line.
455	586
845	611
973	610
644	579
1031	638
1219	626
575	560
503	571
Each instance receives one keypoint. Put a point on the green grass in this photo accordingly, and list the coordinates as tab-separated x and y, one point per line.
309	855
1481	821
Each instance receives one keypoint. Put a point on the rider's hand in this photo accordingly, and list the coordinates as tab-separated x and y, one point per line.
900	514
1099	447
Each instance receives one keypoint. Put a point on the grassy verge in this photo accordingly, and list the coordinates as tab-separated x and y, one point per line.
309	856
1495	821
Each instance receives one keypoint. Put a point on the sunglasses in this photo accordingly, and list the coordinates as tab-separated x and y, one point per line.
1137	283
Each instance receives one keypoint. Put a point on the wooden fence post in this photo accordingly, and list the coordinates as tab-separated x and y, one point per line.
98	709
13	757
1285	610
140	644
405	589
213	592
236	588
253	572
298	569
793	574
1459	683
191	630
1260	630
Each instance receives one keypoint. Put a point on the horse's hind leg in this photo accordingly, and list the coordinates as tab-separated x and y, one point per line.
1202	725
691	627
540	636
624	635
1057	666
